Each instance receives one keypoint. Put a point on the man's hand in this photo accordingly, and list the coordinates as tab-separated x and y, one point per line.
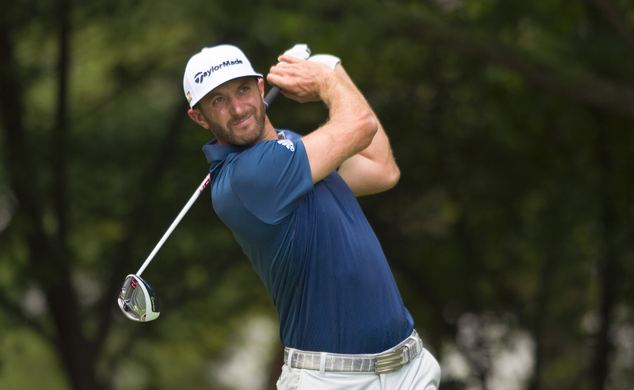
353	140
301	80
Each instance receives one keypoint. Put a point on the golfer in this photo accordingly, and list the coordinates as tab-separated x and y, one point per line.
290	202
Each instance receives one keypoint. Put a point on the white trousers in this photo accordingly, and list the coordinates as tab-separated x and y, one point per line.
422	373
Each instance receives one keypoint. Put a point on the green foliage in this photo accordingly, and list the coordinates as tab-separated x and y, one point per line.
511	122
28	362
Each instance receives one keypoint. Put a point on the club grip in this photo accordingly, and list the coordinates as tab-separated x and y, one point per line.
268	99
300	51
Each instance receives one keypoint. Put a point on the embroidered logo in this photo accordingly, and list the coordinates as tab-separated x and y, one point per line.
200	76
288	143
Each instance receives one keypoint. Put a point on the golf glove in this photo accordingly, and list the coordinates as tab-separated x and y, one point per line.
327	59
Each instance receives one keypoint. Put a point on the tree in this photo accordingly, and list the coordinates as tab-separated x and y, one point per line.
510	120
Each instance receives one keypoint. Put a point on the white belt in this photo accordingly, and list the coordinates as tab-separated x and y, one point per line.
391	360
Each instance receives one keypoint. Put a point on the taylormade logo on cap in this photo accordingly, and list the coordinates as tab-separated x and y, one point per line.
198	78
212	67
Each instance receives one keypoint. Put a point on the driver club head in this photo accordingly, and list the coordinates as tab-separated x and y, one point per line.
137	300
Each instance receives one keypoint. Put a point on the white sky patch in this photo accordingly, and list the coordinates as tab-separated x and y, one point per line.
513	363
34	302
505	353
88	288
622	337
249	357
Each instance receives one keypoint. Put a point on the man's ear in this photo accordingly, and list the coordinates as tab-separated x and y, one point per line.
197	117
261	86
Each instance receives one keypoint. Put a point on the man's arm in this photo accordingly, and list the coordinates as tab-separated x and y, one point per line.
374	169
352	140
352	125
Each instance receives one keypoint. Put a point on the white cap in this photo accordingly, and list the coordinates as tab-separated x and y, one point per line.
212	67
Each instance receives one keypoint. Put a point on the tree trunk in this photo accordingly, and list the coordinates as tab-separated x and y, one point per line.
607	270
48	256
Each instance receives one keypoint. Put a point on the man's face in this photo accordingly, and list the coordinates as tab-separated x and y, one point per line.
235	112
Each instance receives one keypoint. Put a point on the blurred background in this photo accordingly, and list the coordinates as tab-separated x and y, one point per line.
509	234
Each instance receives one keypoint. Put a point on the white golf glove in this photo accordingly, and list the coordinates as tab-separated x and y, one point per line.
327	59
300	51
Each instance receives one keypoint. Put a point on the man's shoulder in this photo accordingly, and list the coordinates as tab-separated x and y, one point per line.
283	147
263	163
268	179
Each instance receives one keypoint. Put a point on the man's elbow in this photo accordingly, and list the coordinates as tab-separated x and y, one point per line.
393	177
386	181
368	126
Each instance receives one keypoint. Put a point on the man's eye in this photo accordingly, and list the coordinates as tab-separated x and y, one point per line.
244	89
218	100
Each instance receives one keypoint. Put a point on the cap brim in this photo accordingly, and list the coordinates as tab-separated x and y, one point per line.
231	77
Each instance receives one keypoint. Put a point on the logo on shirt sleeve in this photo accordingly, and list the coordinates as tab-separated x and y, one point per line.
288	143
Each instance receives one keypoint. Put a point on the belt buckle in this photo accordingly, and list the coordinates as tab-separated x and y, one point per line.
391	361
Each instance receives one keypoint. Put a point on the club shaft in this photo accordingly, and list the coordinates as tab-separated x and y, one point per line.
180	216
268	99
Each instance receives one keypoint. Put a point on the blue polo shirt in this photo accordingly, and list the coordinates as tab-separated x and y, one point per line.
311	246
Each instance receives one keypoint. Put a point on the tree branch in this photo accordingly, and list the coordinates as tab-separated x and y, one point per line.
17	153
60	132
618	24
607	267
565	80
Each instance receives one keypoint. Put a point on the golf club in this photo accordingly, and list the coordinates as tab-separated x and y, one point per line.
137	299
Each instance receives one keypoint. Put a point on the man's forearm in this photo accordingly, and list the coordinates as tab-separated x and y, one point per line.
374	168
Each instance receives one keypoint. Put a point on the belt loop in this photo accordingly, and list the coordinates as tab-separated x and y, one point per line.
290	358
322	364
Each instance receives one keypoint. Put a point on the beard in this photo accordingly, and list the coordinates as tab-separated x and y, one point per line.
250	138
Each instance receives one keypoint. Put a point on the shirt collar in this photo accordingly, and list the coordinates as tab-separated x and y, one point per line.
215	152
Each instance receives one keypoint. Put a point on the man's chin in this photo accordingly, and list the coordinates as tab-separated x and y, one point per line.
247	138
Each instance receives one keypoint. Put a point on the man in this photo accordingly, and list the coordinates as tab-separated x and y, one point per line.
290	203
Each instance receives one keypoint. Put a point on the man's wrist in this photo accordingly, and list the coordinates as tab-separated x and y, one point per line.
331	88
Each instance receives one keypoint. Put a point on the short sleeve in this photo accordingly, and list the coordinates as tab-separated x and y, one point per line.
272	178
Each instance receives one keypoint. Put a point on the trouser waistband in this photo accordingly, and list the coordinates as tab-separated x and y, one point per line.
391	360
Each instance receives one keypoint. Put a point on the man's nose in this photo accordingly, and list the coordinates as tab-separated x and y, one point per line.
236	104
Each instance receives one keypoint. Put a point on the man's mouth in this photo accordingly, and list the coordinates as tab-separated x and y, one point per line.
242	121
